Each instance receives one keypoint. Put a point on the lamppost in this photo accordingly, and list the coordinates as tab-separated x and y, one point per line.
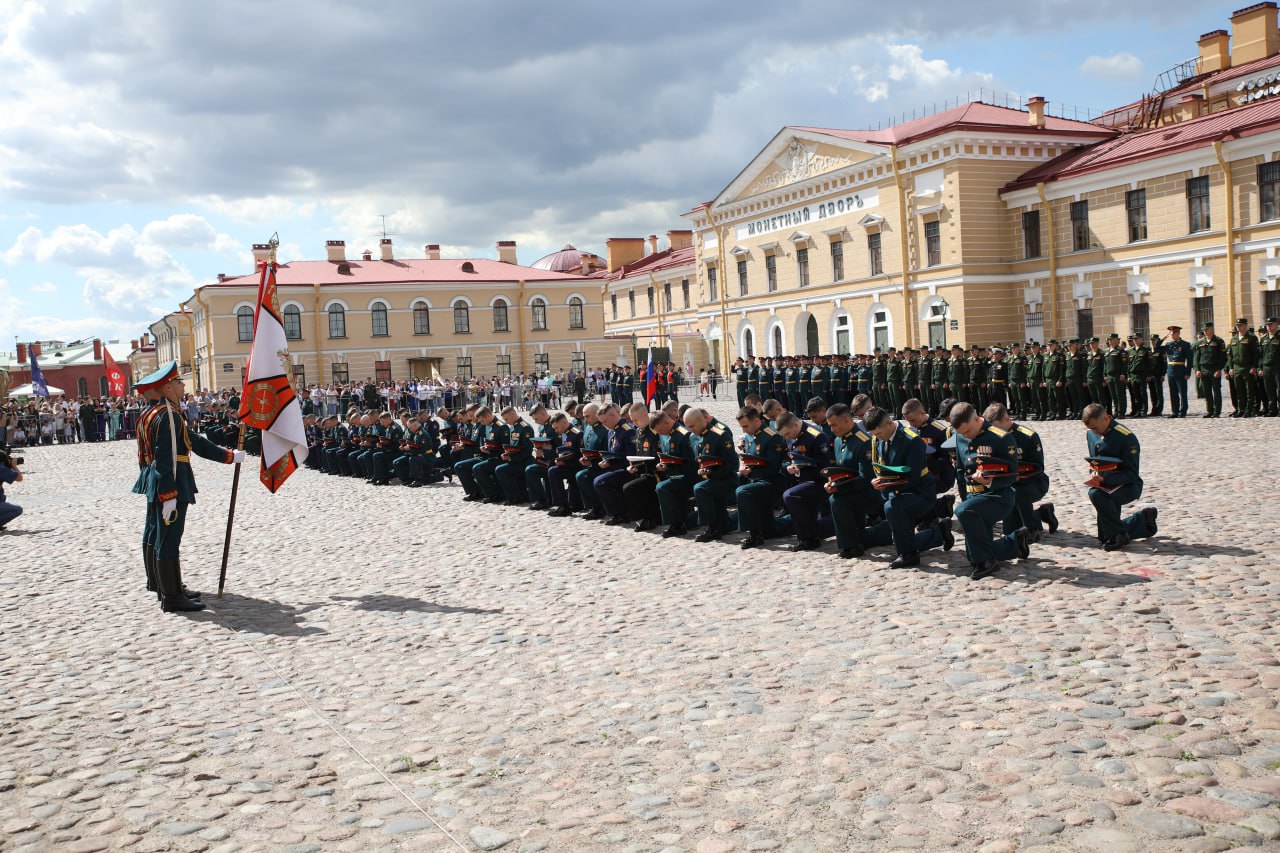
635	353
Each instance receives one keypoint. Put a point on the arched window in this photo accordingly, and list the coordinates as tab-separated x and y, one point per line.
103	389
421	319
500	316
292	323
244	323
575	313
378	315
337	322
539	314
843	342
461	318
777	340
748	344
811	336
82	387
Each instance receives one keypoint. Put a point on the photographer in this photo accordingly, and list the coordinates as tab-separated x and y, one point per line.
9	473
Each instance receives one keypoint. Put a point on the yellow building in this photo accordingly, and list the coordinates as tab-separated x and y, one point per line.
173	342
651	294
394	318
982	224
142	357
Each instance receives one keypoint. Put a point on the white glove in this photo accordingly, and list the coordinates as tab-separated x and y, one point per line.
237	456
169	510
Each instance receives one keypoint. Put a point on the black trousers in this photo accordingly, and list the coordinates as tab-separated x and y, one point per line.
640	497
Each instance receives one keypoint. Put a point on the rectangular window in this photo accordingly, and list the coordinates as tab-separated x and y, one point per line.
1271	303
874	254
1135	208
711	284
337	322
464	367
1031	234
382	371
1140	320
1269	193
631	298
1198	203
378	316
666	296
461	319
837	260
339	371
1080	226
771	272
652	307
542	362
299	376
684	291
1035	319
1084	324
504	365
421	319
613	304
802	266
742	278
293	323
501	319
539	309
933	242
580	363
1203	307
244	327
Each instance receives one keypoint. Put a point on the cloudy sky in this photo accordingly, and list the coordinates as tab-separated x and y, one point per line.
145	146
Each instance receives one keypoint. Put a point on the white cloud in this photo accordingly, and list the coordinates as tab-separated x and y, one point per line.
1118	67
44	287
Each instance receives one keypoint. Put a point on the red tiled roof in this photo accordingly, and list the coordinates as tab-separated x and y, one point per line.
1235	123
970	116
397	272
1194	85
664	260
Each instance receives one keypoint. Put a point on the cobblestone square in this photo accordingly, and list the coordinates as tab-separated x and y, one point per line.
385	654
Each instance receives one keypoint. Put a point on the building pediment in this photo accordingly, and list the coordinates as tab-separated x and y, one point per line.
793	156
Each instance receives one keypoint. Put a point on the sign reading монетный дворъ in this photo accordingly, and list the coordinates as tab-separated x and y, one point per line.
809	213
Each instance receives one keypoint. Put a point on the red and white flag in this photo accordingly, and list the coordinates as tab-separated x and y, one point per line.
116	383
268	402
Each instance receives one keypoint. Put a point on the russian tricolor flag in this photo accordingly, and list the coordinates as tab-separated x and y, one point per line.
650	380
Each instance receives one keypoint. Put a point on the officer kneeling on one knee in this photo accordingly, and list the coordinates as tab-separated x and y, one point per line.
1115	457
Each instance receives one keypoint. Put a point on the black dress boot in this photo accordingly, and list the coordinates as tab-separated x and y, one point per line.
172	598
189	593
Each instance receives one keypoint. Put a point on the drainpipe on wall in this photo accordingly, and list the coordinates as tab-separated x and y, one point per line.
1053	263
315	312
1228	194
910	319
724	294
657	300
208	340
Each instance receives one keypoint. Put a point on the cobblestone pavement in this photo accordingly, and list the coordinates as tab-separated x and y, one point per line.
542	684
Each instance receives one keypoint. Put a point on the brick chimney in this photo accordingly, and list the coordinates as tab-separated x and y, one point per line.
1035	106
97	349
22	353
679	239
385	247
1190	106
133	345
366	255
433	251
653	244
261	252
1253	33
1215	52
621	251
335	250
507	251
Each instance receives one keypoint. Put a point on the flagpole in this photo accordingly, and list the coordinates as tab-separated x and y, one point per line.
231	516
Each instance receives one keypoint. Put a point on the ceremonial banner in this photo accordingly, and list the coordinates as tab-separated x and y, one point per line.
39	388
115	376
268	401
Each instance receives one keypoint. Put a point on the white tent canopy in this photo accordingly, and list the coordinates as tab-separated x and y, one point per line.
26	391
